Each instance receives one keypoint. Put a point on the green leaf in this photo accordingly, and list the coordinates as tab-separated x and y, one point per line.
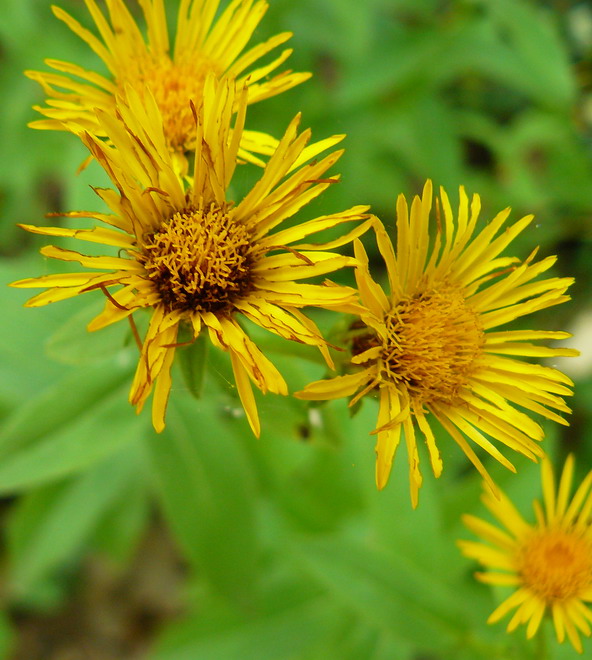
421	132
285	633
73	445
60	405
119	532
544	68
7	636
24	367
192	360
73	344
305	463
207	492
386	590
518	46
49	527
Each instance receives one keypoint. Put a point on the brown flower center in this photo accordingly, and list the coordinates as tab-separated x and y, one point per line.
556	564
432	343
199	259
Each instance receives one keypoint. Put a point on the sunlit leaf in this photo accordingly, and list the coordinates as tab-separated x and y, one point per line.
61	404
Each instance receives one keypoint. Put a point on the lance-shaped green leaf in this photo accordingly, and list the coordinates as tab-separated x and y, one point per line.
50	525
73	445
71	343
193	361
61	404
207	491
387	590
288	632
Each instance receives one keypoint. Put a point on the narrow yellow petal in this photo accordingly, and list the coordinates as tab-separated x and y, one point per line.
245	392
515	600
388	440
162	388
371	293
334	388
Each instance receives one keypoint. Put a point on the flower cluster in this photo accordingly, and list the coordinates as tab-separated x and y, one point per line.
169	126
190	252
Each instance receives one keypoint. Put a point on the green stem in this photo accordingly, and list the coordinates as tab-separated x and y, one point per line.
542	647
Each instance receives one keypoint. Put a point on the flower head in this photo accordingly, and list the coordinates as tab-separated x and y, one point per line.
196	258
549	562
431	349
175	76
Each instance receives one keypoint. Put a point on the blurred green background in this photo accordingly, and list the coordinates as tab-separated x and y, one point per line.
203	542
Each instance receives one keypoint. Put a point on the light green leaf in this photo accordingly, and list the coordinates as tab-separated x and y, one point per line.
73	344
517	46
62	404
207	492
24	367
192	360
74	445
545	68
50	526
386	590
285	634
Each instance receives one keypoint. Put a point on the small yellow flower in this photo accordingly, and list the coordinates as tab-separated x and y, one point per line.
194	257
548	562
203	46
431	349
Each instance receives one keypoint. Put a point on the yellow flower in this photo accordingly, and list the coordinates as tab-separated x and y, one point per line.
549	562
196	258
174	76
431	349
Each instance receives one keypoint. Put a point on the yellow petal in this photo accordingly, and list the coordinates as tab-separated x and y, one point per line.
245	393
334	388
388	440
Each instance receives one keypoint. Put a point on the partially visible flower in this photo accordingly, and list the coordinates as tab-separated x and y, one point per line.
429	348
194	257
175	76
549	562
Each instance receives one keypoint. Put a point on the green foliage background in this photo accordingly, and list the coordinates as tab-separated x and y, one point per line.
290	552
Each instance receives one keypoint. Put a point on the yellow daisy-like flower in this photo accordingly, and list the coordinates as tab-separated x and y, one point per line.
431	349
549	562
203	46
196	258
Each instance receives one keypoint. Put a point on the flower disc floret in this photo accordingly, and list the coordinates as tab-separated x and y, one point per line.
556	564
199	260
431	345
